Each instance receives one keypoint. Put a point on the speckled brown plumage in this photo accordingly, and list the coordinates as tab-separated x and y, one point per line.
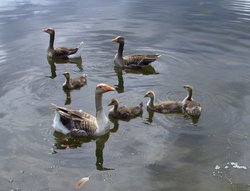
191	107
124	112
80	123
134	61
60	52
74	83
164	106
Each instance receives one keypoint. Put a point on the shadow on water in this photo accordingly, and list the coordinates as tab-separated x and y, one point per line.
148	70
52	62
68	141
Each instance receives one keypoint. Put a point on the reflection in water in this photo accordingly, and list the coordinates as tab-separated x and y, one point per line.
68	141
194	119
68	96
147	70
52	62
149	119
116	125
120	86
119	73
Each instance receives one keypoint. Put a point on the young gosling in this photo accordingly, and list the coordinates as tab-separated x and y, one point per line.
74	83
191	107
164	106
124	112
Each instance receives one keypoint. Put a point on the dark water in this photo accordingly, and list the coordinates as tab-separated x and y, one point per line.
203	43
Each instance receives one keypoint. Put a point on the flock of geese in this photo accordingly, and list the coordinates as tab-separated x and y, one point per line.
79	123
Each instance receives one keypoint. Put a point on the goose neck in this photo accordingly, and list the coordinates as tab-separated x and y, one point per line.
151	102
51	40
98	104
189	95
120	49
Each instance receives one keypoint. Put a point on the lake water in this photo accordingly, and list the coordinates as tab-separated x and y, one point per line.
202	43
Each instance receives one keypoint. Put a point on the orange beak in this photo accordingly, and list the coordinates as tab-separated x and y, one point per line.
107	88
114	40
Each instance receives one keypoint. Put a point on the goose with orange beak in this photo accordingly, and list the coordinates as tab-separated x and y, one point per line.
80	123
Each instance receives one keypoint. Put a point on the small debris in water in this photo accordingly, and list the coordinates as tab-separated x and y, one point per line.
11	180
22	171
52	151
81	182
236	165
217	167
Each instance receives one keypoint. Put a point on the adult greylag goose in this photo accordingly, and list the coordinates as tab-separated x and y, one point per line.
164	106
124	112
74	83
134	61
80	123
191	107
60	52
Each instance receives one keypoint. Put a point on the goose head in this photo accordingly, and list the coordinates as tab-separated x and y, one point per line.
118	39
67	75
113	102
189	88
150	94
49	31
103	88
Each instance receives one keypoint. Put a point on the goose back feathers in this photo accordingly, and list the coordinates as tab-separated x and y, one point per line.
60	52
80	123
134	61
124	112
74	83
164	106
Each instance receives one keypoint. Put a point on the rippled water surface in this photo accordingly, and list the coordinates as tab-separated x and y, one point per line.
202	43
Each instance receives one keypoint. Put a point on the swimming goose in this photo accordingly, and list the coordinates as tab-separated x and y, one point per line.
124	112
135	61
60	52
164	106
191	107
80	123
74	83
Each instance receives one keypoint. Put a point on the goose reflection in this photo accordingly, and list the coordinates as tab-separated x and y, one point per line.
52	62
194	119
148	70
68	96
70	142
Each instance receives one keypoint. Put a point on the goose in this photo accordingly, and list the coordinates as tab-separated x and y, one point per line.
191	107
164	106
74	83
60	52
124	112
134	61
79	123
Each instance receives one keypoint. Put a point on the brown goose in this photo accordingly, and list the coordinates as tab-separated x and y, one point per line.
164	106
74	83
191	107
135	61
80	123
60	52
124	112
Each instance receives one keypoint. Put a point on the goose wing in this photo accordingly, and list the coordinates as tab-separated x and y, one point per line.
169	106
62	51
140	59
79	81
79	123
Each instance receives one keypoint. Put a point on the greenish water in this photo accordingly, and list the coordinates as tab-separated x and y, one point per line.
202	43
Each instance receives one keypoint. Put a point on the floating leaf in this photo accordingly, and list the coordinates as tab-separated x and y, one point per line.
81	182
